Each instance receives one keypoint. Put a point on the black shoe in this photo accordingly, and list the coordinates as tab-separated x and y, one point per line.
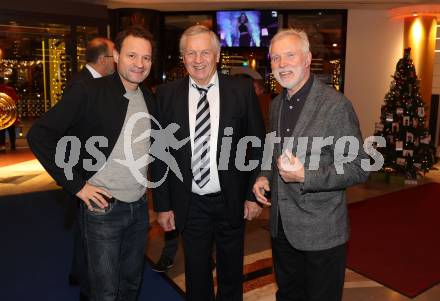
163	265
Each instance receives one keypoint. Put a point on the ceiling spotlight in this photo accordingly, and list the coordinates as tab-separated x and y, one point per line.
335	45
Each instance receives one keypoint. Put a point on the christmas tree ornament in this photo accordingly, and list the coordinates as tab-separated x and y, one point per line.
389	117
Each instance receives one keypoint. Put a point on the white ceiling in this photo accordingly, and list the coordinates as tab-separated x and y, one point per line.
205	5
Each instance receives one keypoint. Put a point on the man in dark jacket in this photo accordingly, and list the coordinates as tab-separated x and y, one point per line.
98	119
211	200
99	59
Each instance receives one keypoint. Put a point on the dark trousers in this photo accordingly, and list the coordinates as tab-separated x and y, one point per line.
307	275
115	243
79	259
12	138
206	225
171	244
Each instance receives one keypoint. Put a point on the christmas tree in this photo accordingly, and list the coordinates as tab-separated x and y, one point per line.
409	150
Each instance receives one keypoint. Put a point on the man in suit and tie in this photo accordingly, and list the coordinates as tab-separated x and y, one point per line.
308	216
98	114
209	205
99	63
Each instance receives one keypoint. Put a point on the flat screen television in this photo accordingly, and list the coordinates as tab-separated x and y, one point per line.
246	28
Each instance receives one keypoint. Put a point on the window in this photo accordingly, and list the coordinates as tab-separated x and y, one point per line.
326	31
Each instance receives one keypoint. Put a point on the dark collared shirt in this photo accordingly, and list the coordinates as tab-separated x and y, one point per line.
291	107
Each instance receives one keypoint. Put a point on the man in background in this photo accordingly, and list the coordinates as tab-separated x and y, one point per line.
99	60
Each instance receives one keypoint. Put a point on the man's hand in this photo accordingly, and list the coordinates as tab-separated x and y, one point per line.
166	220
261	185
90	193
251	210
290	167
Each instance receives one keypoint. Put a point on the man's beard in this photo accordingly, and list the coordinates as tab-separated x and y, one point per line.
294	81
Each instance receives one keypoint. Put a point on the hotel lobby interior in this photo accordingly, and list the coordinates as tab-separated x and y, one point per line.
357	47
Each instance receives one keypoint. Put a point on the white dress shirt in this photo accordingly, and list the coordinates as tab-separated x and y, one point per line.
213	96
95	73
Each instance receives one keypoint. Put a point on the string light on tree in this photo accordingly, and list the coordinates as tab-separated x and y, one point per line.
336	74
57	69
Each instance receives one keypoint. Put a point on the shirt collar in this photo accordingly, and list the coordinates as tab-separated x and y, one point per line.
92	70
213	81
302	93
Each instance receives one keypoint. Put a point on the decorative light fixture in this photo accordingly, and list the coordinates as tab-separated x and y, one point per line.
415	11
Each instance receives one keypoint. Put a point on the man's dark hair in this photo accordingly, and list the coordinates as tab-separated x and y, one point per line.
135	31
95	48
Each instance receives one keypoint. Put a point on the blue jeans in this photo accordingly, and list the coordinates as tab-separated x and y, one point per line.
115	242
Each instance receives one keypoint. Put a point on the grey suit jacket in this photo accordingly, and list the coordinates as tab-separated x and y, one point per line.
314	213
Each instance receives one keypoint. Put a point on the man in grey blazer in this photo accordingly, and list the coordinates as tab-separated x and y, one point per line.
318	157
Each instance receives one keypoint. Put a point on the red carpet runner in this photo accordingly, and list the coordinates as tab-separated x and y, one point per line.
395	239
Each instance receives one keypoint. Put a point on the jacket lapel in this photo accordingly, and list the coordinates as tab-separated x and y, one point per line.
307	115
309	110
118	106
181	117
149	100
182	112
306	119
224	102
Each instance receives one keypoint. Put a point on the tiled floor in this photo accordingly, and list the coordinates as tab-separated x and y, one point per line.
29	176
257	250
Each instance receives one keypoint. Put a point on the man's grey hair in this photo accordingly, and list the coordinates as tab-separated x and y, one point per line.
299	33
195	30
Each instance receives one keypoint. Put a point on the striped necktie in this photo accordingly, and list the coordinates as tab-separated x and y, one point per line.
202	135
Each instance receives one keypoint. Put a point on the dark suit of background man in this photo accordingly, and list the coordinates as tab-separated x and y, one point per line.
209	206
114	211
308	217
99	63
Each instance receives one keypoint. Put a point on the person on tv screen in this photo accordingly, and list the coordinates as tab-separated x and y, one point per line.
243	29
